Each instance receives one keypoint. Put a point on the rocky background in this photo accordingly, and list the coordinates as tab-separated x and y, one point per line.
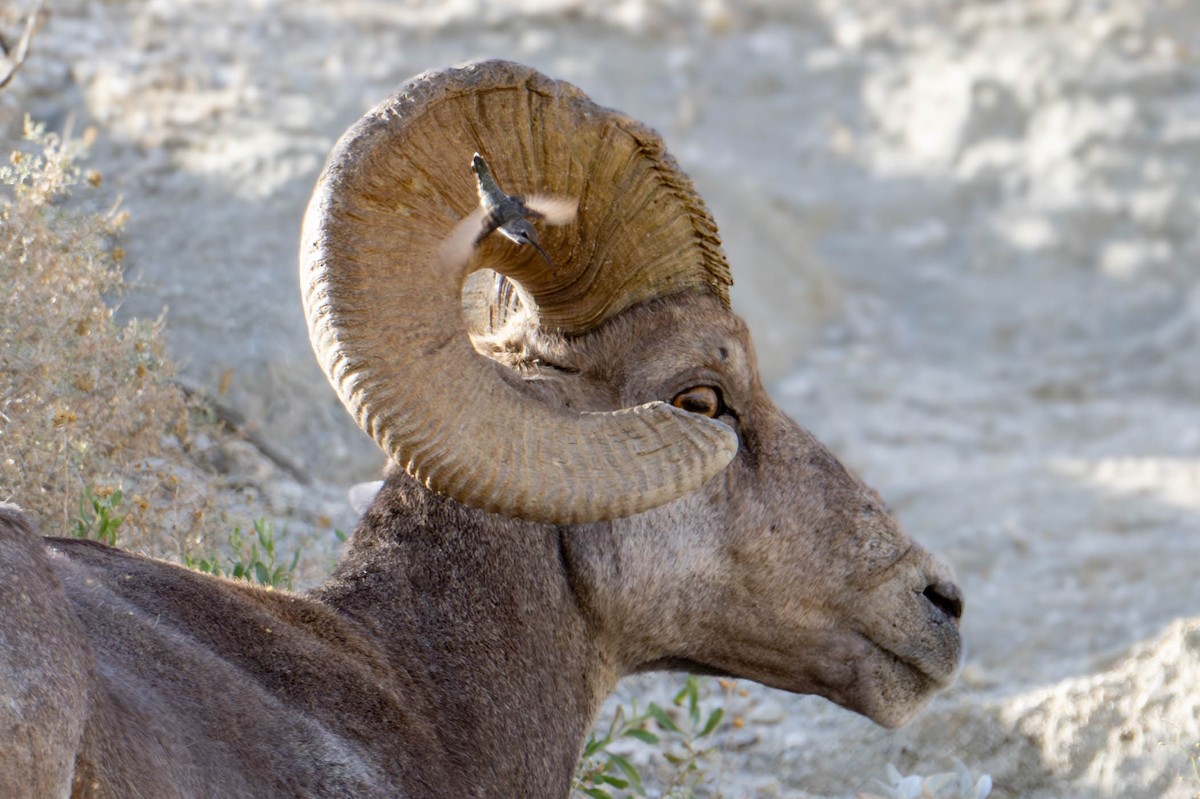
963	234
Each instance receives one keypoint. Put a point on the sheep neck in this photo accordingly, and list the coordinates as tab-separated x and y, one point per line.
482	609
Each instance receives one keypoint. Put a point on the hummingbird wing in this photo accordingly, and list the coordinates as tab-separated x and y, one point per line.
489	224
555	210
454	253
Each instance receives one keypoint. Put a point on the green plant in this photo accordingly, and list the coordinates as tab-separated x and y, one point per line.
254	558
682	740
600	769
98	520
955	784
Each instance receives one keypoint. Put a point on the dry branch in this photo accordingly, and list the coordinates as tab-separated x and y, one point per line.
17	59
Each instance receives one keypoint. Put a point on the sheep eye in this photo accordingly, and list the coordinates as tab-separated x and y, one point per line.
704	400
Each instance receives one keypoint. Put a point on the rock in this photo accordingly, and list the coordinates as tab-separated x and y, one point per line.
766	712
1123	732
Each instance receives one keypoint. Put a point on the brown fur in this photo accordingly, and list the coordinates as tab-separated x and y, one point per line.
455	653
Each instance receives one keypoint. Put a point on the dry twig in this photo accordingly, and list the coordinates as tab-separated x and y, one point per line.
16	59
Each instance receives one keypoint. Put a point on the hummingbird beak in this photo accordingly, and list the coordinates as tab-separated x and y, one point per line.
538	247
521	232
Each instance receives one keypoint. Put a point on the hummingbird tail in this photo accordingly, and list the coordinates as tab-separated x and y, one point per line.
478	165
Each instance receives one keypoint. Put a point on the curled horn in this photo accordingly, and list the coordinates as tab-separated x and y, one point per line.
382	287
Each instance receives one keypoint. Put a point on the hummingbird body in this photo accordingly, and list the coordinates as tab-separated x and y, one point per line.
510	214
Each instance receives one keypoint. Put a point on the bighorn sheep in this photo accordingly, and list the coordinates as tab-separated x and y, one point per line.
600	486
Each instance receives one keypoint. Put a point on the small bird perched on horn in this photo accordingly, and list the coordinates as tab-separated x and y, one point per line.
511	214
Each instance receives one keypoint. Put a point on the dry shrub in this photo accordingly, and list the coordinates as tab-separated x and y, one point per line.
84	401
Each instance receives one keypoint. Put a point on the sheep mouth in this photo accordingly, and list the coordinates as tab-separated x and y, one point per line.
892	687
888	685
939	667
858	673
929	667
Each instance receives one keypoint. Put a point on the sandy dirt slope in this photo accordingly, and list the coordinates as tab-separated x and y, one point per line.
964	235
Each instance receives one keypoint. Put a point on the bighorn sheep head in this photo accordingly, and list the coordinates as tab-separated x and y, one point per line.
625	395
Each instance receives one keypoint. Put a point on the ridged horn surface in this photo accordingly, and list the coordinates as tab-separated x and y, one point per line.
382	266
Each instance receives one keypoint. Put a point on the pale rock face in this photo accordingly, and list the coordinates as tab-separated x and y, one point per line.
963	236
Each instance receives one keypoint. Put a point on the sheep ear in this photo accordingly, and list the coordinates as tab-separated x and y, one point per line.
362	495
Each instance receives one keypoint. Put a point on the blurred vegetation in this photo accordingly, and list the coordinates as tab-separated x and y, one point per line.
252	558
88	406
679	743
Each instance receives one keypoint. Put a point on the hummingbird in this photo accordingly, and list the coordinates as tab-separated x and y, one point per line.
510	214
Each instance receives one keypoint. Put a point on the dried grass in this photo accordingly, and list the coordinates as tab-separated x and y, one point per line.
84	400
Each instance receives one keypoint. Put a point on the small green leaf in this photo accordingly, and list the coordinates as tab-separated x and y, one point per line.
660	715
593	746
679	697
635	778
713	720
597	793
691	694
645	736
615	782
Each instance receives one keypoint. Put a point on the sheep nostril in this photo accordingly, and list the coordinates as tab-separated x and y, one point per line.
947	598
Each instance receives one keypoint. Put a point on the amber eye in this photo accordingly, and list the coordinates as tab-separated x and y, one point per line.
704	400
